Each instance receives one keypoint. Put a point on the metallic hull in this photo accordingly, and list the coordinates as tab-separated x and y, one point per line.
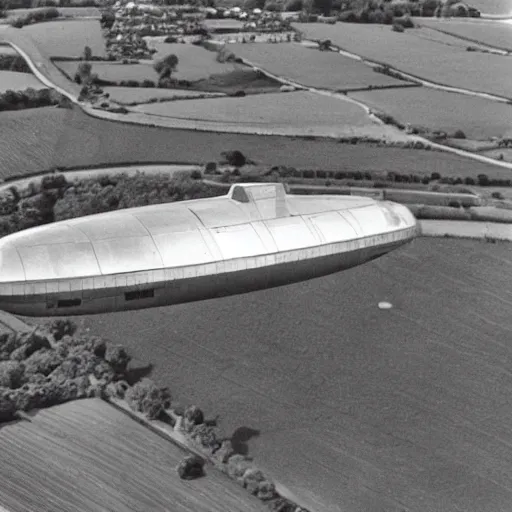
313	238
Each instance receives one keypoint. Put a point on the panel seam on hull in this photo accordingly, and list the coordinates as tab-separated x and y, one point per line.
213	241
21	261
399	235
92	246
150	236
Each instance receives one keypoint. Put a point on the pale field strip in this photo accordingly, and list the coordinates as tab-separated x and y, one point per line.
406	54
286	109
55	74
478	118
16	81
127	95
493	34
67	38
86	455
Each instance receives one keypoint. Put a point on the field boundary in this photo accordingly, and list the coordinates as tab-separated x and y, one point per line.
408	76
160	428
118	117
487	231
502	49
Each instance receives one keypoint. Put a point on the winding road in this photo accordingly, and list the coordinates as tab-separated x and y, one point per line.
44	69
354	408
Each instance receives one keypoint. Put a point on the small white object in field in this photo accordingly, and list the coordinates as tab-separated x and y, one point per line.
385	305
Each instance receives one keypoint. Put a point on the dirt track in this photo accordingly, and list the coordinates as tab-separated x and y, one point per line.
359	409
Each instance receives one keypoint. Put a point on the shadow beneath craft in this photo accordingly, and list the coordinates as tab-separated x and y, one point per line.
134	375
241	436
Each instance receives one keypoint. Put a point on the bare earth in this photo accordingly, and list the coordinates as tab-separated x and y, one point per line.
359	409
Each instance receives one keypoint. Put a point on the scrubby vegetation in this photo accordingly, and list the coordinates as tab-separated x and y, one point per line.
31	98
52	365
14	62
55	198
400	12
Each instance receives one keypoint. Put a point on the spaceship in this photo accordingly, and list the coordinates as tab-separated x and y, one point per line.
255	237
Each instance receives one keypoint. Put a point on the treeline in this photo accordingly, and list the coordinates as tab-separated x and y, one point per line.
55	364
56	199
52	365
36	16
383	11
32	98
377	179
14	62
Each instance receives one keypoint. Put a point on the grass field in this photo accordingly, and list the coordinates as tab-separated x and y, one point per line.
18	81
88	456
358	409
39	139
113	71
492	6
67	38
291	109
492	33
426	59
212	24
312	68
195	62
440	110
63	11
131	95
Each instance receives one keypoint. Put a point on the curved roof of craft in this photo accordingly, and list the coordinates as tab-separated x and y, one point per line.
253	219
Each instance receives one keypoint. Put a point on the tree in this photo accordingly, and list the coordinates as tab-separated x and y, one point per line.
83	73
147	398
87	53
166	66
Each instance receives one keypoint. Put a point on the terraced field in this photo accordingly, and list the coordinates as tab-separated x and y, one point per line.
18	81
492	33
131	95
67	38
88	456
358	408
39	139
439	110
429	60
311	67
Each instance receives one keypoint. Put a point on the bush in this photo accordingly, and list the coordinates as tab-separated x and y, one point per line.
397	27
59	328
206	436
483	180
11	374
147	398
497	195
210	168
191	467
118	358
459	134
235	158
42	362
